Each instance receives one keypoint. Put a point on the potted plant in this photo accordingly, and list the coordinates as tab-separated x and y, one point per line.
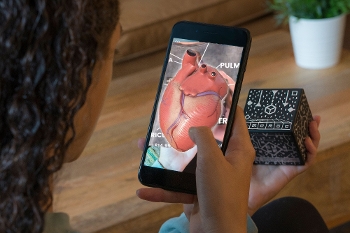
317	29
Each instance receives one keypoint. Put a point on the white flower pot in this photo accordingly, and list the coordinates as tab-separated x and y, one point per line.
317	43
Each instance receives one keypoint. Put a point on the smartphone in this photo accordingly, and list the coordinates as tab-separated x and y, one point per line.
199	86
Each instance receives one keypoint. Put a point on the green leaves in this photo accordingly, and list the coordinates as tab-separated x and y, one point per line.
308	9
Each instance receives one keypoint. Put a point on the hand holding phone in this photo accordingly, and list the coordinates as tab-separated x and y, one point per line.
222	182
199	86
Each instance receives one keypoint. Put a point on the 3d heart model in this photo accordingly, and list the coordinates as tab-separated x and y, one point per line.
192	98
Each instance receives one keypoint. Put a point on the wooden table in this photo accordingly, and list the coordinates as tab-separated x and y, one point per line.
98	190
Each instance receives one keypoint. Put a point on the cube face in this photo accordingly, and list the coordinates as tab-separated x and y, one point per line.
278	120
273	104
275	148
301	125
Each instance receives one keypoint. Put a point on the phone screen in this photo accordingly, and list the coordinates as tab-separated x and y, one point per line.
197	89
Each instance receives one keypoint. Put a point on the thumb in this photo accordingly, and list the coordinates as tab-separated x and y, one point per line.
211	163
221	191
207	147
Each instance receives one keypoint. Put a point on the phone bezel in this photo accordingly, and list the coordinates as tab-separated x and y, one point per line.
183	181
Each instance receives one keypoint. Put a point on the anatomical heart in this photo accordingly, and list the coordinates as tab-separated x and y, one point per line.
194	97
196	90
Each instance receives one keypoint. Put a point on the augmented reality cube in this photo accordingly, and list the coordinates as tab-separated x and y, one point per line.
278	123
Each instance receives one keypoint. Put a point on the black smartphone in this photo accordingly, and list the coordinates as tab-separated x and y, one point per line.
199	86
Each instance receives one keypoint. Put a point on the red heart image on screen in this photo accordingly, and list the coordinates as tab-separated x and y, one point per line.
192	98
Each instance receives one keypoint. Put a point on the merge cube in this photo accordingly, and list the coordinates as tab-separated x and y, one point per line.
278	123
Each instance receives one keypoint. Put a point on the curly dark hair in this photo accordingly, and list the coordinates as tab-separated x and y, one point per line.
48	49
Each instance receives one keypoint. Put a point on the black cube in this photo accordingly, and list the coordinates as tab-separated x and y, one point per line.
278	123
